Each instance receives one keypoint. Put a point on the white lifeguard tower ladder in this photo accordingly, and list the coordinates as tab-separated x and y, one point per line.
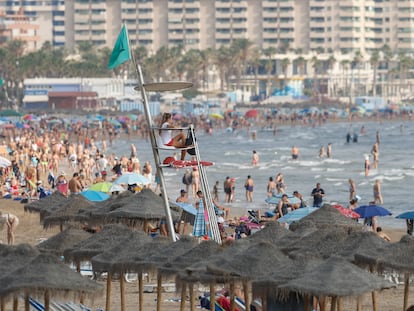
157	147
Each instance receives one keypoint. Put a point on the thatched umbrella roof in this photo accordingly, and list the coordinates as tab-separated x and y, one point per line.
398	256
96	214
328	217
66	211
48	202
156	259
43	273
202	251
64	240
321	243
273	232
249	263
268	285
108	237
360	241
109	260
336	277
130	209
129	257
144	206
13	257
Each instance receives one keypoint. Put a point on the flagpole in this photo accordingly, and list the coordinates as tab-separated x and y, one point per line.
147	111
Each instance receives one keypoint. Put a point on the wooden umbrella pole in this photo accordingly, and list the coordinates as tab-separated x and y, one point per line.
264	302
159	291
212	296
108	292
140	292
406	289
78	266
15	303
2	304
306	302
247	300
232	297
47	300
359	303
322	302
191	291
122	287
333	303
182	302
339	304
373	294
26	303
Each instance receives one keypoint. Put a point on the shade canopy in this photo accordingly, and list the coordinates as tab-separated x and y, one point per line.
64	240
165	86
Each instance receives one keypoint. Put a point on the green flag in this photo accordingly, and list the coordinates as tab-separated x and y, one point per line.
120	52
1	81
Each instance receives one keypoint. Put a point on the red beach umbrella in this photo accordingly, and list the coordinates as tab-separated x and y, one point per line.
346	211
252	113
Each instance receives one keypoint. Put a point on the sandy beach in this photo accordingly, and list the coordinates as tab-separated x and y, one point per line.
30	231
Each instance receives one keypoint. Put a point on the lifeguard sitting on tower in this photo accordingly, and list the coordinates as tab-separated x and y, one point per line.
177	141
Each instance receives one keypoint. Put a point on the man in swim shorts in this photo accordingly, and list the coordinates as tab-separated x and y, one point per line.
248	185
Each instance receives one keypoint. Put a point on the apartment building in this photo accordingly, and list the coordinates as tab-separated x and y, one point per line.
47	16
329	25
306	25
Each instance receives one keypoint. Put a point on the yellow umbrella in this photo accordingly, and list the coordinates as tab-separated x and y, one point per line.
216	116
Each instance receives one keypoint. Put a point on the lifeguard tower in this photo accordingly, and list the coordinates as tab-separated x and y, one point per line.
158	148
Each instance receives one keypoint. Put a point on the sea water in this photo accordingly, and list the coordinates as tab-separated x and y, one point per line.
232	152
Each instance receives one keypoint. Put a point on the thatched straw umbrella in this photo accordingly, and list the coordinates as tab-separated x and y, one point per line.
64	240
267	286
109	237
47	275
13	258
399	257
126	257
318	244
336	278
327	217
145	206
48	202
66	211
273	232
202	251
360	241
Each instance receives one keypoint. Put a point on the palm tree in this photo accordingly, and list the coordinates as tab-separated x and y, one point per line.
285	64
356	63
405	63
241	52
374	60
269	52
255	62
345	64
300	63
223	59
316	64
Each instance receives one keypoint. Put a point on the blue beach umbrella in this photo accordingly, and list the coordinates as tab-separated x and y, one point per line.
95	196
131	179
406	215
189	208
297	214
366	211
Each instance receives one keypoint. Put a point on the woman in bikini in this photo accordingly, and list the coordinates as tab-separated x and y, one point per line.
165	132
12	222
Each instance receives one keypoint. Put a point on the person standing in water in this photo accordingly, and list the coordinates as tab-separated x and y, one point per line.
367	165
255	158
329	150
295	153
352	189
248	185
377	192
